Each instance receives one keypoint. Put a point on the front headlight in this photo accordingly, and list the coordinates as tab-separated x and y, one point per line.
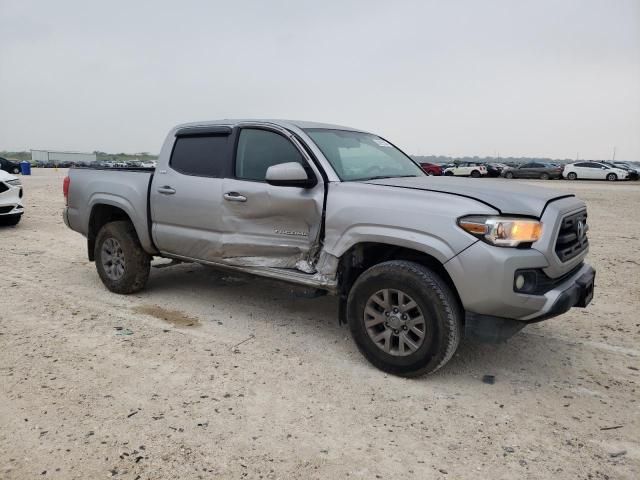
15	182
502	231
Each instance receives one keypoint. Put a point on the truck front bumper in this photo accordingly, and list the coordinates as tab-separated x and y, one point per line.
494	311
494	329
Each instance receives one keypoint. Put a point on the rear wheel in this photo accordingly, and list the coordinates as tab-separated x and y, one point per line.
122	263
508	175
15	170
475	173
572	176
404	318
612	177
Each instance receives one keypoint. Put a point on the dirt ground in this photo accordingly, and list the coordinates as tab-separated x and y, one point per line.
207	375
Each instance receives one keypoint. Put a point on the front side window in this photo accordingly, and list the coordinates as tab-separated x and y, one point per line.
202	155
362	156
260	149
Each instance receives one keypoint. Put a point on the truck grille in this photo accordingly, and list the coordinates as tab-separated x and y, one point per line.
572	237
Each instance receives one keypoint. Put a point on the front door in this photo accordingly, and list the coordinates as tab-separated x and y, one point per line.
266	225
185	197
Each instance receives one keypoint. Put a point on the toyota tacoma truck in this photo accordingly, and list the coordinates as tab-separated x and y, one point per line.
416	261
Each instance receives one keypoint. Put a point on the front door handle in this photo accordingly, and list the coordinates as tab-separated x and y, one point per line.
234	197
166	190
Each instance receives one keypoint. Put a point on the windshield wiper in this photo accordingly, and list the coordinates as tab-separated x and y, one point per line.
379	177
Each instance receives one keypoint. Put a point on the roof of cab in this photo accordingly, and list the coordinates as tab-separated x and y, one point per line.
282	123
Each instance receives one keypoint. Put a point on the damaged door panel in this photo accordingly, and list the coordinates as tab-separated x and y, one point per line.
266	225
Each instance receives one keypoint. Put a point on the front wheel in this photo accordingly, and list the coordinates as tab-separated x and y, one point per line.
572	176
122	263
15	170
404	318
544	176
508	175
612	177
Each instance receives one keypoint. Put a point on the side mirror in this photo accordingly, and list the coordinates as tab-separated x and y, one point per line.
290	174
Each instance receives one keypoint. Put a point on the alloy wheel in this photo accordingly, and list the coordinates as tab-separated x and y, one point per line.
395	322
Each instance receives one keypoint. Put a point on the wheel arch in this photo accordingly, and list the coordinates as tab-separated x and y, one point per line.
364	255
101	214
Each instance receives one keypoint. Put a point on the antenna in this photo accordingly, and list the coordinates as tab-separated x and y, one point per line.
613	158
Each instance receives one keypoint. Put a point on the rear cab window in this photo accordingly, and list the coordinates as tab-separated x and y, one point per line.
202	155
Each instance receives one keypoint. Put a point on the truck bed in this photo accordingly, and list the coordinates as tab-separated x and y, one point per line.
124	188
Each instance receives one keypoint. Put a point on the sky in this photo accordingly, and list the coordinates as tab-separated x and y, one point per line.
550	78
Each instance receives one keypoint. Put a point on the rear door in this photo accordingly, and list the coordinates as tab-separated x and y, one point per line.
462	169
582	170
526	170
186	197
266	225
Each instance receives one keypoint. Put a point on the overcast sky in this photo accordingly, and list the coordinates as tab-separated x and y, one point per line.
550	78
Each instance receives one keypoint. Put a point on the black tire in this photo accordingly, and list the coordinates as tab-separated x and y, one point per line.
10	220
448	174
15	170
136	261
439	307
612	177
475	173
544	176
508	175
572	176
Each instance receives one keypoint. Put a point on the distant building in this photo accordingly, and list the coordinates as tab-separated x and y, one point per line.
39	156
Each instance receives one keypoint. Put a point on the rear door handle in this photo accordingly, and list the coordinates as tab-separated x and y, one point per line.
166	190
234	197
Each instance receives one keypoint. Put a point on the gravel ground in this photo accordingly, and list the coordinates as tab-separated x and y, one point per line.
206	375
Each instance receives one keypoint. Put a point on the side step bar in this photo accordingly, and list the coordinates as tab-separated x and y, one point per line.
284	274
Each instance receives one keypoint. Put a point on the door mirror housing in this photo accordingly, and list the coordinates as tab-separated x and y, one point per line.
290	174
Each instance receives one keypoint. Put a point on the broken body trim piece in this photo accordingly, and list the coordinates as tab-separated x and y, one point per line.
317	280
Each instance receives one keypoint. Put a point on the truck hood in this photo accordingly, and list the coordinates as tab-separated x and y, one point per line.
508	197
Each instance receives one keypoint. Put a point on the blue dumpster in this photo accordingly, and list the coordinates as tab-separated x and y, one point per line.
25	167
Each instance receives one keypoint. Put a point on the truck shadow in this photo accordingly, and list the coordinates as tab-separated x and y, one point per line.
243	301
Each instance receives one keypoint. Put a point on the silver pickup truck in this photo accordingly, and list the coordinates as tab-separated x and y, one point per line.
416	261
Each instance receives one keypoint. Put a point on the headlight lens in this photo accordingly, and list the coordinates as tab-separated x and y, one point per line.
15	182
502	231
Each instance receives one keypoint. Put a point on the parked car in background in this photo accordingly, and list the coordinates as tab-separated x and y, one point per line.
634	173
544	171
594	171
467	169
431	168
11	208
495	169
9	166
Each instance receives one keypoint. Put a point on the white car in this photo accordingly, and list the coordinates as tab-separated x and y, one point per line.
593	171
11	208
467	169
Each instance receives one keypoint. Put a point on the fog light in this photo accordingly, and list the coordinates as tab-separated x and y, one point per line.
519	282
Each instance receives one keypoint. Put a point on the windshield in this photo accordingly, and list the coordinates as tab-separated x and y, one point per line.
362	156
